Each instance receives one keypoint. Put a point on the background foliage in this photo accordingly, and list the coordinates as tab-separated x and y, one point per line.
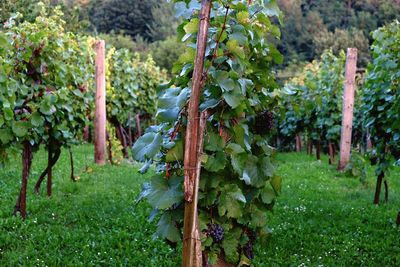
45	76
381	98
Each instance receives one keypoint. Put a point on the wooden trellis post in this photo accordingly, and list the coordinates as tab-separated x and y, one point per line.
100	115
348	103
298	142
191	254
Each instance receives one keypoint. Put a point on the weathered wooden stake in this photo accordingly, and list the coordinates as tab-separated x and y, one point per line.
138	125
130	141
191	254
298	143
100	115
318	149
86	133
309	147
348	102
331	153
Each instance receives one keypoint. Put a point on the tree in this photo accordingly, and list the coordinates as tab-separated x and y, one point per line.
166	52
131	17
341	40
164	22
306	18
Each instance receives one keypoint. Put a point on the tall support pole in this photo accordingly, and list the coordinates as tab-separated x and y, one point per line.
100	116
138	125
298	142
191	254
348	103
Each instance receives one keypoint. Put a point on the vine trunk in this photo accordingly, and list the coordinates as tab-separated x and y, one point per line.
20	206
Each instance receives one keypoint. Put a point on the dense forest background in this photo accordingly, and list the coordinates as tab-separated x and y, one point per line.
310	26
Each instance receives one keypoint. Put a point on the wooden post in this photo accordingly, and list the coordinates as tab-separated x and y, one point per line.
298	143
191	252
130	131
331	153
398	219
86	133
318	149
348	102
100	115
309	146
138	126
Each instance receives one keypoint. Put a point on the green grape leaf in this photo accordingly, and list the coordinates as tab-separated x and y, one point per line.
276	182
231	202
216	162
227	84
192	26
20	128
147	146
166	228
5	136
163	193
230	245
258	216
3	40
233	99
37	119
267	195
213	142
8	113
235	48
234	149
175	153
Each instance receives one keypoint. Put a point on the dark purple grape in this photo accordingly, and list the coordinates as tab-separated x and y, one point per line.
264	123
248	250
216	232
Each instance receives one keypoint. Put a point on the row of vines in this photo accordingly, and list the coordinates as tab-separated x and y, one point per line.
47	93
47	96
314	105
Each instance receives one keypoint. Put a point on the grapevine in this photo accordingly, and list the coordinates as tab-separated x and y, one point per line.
237	185
44	96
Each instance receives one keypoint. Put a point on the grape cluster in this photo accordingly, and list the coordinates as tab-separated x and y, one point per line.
248	250
264	122
216	232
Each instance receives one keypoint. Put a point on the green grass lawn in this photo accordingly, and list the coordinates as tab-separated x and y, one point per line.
322	218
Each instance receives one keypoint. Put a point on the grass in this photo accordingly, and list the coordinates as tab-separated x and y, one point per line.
322	218
88	223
